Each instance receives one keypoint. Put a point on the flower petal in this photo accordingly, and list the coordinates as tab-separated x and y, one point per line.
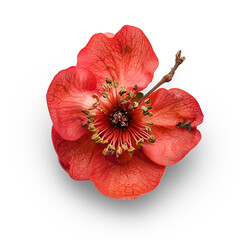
171	145
75	156
127	57
69	93
128	178
172	106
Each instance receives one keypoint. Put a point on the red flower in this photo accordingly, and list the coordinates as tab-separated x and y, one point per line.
105	130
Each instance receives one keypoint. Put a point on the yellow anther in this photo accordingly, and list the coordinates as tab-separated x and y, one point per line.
139	142
145	113
103	110
95	130
148	129
108	80
111	148
149	106
151	139
150	114
110	85
94	106
95	137
131	150
95	96
104	142
130	94
91	120
84	124
104	86
93	114
149	122
119	151
123	101
98	141
105	152
91	127
144	108
147	101
85	111
115	84
105	94
124	147
135	87
122	90
135	105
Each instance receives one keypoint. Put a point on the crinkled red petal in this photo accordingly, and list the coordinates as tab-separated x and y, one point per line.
70	91
172	106
171	145
126	57
75	156
127	177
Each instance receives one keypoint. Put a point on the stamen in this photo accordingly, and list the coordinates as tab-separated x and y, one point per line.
104	142
122	90
149	122
119	151
148	129
104	86
93	114
91	127
150	114
124	147
130	94
151	139
95	96
85	111
149	106
84	124
108	80
95	137
139	142
147	101
90	120
105	94
131	150
111	148
105	152
115	84
94	106
135	87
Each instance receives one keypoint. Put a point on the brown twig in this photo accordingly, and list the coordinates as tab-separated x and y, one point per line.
168	77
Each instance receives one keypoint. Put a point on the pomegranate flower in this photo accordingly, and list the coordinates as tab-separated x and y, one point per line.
105	130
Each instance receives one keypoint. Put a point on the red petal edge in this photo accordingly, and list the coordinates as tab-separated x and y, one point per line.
70	91
75	156
128	178
126	57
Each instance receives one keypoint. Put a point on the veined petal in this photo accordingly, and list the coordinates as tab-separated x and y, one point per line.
70	91
172	106
171	145
128	178
126	57
75	156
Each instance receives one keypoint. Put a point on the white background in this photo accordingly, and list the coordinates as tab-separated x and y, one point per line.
198	198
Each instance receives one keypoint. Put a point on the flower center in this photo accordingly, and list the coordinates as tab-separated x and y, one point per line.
119	118
116	120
